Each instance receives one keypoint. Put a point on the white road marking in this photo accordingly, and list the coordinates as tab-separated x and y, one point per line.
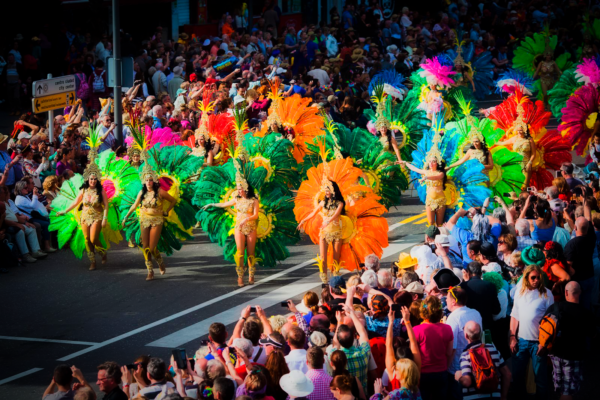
184	312
26	339
22	374
278	295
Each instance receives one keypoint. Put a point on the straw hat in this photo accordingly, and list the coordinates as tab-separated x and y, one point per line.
3	138
406	261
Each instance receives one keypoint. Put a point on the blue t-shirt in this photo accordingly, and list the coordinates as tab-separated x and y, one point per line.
299	90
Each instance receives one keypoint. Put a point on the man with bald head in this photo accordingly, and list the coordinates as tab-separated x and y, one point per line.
571	345
464	375
579	253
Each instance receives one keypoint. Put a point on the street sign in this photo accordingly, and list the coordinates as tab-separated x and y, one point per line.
53	102
126	72
48	87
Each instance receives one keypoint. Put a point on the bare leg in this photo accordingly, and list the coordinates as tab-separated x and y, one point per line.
439	213
154	239
95	231
250	247
337	253
323	245
430	215
89	246
147	253
240	266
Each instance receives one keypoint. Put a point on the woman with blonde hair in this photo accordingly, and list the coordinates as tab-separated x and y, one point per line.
435	341
562	186
408	375
51	188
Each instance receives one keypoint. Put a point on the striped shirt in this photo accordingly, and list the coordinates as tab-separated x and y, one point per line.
467	369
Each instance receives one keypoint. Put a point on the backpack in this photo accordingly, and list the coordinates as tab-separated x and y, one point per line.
550	328
484	370
98	83
84	87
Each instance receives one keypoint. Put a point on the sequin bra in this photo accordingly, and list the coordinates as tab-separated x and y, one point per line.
91	198
152	203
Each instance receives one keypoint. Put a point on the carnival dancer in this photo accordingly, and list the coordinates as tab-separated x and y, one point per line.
331	208
246	207
92	200
434	177
522	142
150	200
337	212
548	72
437	76
245	187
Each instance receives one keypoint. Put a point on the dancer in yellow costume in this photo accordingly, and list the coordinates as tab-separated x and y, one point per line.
152	216
331	209
94	212
246	218
434	177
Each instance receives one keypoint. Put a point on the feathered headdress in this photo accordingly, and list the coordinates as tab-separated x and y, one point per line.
326	184
330	128
141	144
276	97
207	106
239	176
434	153
437	74
240	124
94	141
458	60
548	48
379	99
475	133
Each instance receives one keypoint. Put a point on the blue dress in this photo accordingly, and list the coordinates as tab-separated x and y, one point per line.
543	235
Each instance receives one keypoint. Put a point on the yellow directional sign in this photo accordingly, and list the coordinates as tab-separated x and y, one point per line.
53	102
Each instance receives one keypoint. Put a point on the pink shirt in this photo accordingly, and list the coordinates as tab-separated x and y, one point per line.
433	342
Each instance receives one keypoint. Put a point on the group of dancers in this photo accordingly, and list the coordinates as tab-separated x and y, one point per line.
253	191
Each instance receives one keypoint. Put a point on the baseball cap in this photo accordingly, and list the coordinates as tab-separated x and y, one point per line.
444	240
24	135
269	341
415	287
432	231
337	282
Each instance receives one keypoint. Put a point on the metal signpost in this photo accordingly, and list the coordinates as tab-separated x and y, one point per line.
53	94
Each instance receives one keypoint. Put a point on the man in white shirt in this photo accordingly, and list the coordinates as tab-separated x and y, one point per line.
331	43
532	299
296	359
319	74
456	301
406	18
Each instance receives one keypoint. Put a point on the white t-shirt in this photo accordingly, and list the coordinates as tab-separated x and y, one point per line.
528	309
296	360
262	359
321	75
457	321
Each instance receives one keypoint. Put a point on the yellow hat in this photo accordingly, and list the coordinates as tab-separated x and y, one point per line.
406	261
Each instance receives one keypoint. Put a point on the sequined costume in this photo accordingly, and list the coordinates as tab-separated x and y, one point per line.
435	192
244	208
91	201
151	210
547	75
333	231
523	147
